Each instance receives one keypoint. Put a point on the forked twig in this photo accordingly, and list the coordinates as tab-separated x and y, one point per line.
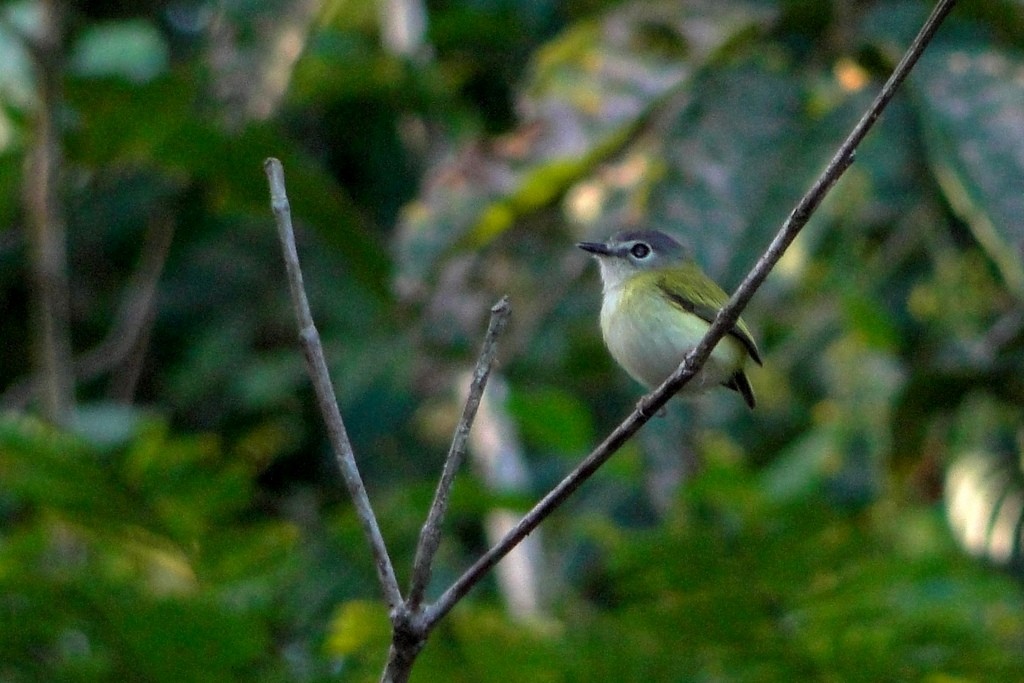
406	615
430	535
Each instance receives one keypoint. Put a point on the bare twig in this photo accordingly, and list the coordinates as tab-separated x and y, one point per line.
409	634
47	230
126	344
430	535
131	324
311	347
723	322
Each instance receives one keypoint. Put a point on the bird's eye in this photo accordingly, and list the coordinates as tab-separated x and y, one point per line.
640	250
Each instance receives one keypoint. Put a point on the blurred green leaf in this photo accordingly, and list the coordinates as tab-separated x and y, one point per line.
154	125
803	468
198	641
760	590
40	466
107	425
134	50
17	87
552	419
972	113
358	626
103	568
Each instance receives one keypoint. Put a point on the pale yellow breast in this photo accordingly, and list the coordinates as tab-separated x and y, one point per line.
649	336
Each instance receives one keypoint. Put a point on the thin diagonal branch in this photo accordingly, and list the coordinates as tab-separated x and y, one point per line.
126	344
131	323
430	534
723	322
311	347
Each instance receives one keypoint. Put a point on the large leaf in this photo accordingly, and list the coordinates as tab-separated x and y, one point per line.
972	112
713	172
132	49
590	91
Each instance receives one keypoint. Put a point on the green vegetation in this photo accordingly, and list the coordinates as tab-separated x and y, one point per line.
189	525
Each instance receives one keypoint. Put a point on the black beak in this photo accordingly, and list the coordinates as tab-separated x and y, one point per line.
596	248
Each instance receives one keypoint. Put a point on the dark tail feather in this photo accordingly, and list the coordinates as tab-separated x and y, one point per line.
741	384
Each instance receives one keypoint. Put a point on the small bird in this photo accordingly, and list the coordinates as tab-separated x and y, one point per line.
656	307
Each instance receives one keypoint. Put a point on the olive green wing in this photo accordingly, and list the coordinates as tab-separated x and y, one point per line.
704	300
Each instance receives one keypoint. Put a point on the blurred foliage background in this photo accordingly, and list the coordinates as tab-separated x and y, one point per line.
187	522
